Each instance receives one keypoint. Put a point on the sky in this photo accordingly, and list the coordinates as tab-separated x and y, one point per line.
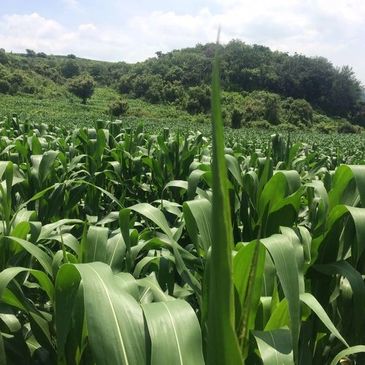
131	31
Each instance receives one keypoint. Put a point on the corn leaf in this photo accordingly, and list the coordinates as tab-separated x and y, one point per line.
173	325
274	347
223	346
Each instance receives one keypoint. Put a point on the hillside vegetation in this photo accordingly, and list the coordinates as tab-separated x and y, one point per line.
260	86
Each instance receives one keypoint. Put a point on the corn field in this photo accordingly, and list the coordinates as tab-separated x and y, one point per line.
125	246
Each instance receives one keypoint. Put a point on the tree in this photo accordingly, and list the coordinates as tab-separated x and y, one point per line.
344	94
99	72
16	81
154	92
82	86
3	57
30	53
70	69
173	92
125	84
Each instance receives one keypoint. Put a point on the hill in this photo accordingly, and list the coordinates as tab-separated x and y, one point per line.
260	86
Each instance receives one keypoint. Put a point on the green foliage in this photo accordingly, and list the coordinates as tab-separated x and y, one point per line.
59	107
41	54
3	57
253	109
118	107
82	86
182	77
154	92
198	99
297	111
201	119
270	106
236	118
99	71
30	53
70	69
108	243
125	84
261	124
222	342
4	86
250	68
347	127
173	92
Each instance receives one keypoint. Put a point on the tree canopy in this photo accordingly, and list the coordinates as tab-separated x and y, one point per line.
336	91
82	86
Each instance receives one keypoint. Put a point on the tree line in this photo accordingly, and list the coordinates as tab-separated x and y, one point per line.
246	68
182	77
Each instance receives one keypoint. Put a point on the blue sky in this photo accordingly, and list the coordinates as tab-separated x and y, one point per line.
134	30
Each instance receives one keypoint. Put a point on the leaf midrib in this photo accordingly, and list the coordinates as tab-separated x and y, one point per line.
114	316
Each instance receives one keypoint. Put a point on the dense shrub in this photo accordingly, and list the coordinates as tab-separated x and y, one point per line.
346	127
118	107
198	99
16	81
29	88
154	92
49	72
324	124
298	111
287	127
99	72
262	105
261	124
271	105
4	87
173	92
236	118
201	118
254	109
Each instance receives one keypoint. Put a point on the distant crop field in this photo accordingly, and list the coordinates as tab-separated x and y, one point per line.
65	110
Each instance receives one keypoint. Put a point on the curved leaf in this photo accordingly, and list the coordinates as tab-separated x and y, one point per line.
114	318
173	325
274	347
349	351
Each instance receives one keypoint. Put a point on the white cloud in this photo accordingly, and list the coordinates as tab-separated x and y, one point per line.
331	28
71	3
33	31
87	27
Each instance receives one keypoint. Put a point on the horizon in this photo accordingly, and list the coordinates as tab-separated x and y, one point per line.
130	32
